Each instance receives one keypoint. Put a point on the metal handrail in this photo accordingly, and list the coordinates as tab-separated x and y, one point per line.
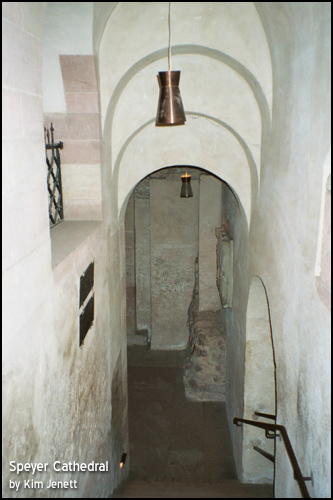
266	415
264	453
270	432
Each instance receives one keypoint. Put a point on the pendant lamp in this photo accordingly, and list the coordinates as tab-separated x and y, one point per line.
186	190
170	109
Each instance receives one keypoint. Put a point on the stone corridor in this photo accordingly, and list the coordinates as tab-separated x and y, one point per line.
178	448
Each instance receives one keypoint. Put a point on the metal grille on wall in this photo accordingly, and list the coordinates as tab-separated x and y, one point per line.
52	152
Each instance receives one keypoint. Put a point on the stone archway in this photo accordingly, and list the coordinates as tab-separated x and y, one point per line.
259	385
165	235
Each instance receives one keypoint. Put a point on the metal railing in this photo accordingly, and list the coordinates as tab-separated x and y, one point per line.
264	453
271	433
54	187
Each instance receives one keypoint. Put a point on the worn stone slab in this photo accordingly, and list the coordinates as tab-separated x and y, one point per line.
205	373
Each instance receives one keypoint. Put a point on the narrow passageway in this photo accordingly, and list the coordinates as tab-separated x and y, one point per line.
178	448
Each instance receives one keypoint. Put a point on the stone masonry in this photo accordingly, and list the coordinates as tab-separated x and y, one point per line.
205	372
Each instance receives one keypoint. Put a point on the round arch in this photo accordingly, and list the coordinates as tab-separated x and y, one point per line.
119	115
227	158
247	52
171	234
240	169
259	384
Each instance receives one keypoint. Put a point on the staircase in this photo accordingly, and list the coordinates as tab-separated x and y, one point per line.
178	448
185	488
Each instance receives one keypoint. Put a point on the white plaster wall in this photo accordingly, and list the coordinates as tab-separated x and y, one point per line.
28	332
102	12
75	378
259	385
67	30
286	231
57	403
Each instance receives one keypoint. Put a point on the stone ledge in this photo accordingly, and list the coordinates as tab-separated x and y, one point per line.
133	339
67	236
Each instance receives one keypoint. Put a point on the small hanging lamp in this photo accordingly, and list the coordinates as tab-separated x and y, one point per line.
186	190
170	109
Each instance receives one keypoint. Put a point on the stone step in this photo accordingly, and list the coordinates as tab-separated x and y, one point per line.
136	340
190	488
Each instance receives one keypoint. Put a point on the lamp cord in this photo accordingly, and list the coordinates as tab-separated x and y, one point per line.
169	50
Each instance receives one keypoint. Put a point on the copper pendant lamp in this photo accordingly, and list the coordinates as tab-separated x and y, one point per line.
186	190
170	109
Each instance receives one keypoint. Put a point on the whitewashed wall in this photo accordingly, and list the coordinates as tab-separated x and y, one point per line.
60	401
258	117
267	138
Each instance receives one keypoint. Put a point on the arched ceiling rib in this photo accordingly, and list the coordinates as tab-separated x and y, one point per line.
189	50
153	148
233	101
222	52
136	29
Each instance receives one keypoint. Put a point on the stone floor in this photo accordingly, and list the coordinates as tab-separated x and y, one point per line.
178	448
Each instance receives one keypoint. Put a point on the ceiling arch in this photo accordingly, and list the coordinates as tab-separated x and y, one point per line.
150	58
225	83
120	106
135	29
232	95
152	150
